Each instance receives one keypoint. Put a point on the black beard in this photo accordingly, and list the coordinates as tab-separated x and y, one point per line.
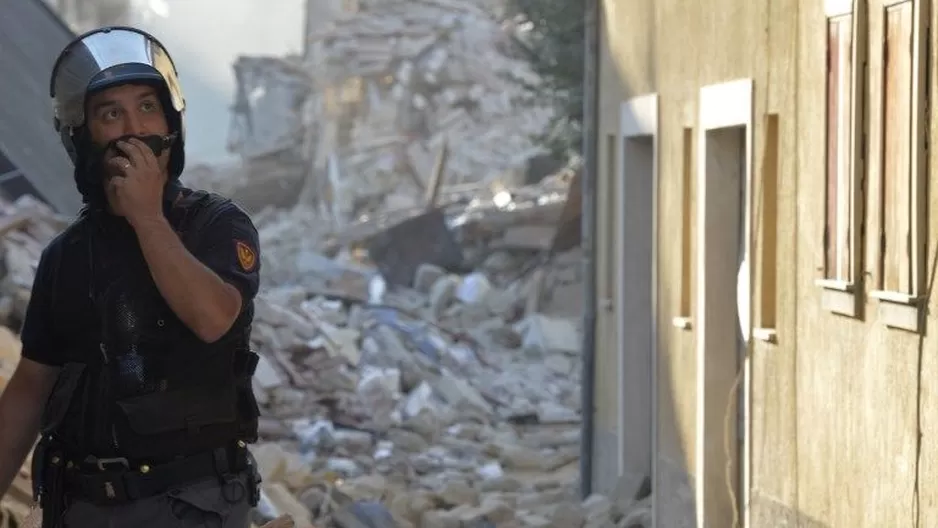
157	144
98	154
91	170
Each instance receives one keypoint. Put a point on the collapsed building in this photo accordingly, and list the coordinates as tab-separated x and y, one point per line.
365	113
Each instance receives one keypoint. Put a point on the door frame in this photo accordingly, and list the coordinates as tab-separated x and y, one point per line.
724	105
638	119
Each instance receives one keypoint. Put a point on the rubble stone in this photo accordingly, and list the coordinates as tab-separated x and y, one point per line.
442	294
426	277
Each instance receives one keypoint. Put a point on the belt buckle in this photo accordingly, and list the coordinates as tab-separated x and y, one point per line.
103	463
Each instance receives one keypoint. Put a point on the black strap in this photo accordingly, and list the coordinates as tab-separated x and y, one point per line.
119	483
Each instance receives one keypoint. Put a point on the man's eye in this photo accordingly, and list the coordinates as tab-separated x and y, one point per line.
111	114
148	106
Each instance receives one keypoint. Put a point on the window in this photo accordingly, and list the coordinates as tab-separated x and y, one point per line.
901	180
845	155
895	228
767	227
838	253
611	190
687	231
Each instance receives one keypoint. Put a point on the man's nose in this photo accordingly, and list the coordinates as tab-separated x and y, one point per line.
133	125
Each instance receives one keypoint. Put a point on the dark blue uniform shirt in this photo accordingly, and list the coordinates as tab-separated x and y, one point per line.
61	320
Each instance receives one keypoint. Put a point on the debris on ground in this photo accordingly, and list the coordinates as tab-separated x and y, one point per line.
448	399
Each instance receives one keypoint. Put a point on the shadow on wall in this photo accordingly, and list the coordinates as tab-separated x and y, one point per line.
770	512
674	501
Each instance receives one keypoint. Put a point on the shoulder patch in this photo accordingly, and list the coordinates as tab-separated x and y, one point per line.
247	258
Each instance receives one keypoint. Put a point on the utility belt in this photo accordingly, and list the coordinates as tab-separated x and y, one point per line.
145	433
114	481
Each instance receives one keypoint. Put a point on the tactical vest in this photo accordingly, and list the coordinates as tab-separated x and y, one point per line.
153	389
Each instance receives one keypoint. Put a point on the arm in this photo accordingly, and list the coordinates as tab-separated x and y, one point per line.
21	406
204	288
23	400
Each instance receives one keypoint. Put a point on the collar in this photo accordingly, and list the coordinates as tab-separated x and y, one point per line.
171	192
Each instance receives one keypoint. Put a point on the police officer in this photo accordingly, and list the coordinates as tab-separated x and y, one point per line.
136	365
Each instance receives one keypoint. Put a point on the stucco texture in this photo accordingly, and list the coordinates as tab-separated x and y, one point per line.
837	403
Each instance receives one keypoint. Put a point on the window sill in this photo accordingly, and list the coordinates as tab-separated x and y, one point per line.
838	296
835	284
684	323
769	335
899	310
895	297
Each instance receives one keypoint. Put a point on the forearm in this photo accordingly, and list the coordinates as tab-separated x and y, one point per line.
199	297
19	425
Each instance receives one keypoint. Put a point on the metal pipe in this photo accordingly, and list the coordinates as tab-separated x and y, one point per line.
588	240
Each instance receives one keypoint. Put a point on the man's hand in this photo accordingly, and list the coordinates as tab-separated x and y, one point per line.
284	521
138	195
201	299
21	405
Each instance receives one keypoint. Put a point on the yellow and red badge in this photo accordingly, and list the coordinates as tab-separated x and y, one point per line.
247	259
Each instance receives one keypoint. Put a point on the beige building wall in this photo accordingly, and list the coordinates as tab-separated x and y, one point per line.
835	394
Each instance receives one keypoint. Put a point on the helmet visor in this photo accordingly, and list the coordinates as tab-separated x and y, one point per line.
109	57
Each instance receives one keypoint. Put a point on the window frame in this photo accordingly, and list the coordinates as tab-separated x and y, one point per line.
687	295
766	263
843	295
904	310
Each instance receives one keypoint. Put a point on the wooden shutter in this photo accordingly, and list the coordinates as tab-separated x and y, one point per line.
839	179
897	150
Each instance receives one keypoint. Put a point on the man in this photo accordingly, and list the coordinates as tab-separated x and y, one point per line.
136	365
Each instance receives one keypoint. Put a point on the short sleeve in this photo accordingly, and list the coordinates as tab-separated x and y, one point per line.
39	335
229	246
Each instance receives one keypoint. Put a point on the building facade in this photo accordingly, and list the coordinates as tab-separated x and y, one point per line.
765	338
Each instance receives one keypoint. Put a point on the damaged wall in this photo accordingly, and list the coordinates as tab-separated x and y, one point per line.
388	84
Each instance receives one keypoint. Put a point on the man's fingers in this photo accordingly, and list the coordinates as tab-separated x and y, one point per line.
142	152
284	521
121	163
131	151
117	183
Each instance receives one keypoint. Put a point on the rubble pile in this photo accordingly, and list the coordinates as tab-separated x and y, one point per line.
446	404
449	400
26	226
432	386
380	91
254	184
442	68
299	245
